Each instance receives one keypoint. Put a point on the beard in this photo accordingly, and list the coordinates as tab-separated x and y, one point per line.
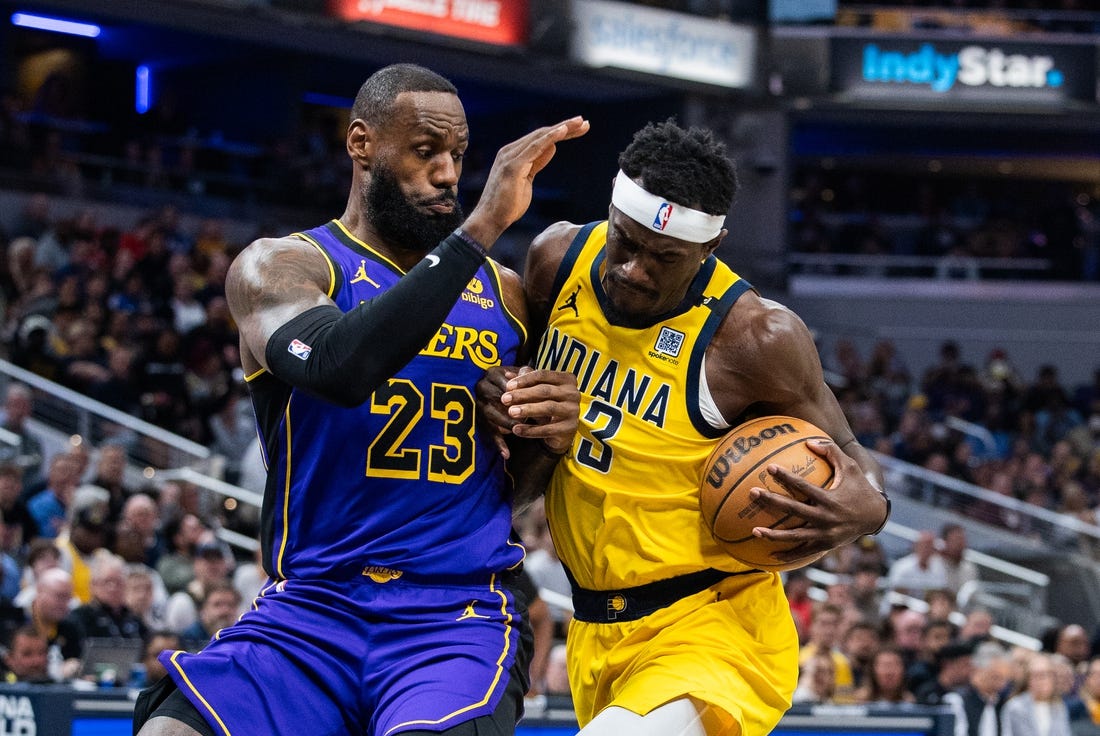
400	221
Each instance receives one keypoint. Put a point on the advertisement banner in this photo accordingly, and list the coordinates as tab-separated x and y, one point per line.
981	71
706	50
500	22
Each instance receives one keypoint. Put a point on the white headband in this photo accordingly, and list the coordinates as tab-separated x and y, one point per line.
674	220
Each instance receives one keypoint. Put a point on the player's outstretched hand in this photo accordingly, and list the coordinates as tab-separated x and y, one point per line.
507	192
836	515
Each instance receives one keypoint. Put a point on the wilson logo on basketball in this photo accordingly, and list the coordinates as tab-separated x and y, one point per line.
740	447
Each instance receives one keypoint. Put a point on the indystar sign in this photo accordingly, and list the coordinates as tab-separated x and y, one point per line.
978	71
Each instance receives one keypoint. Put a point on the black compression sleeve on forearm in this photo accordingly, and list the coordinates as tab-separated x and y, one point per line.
343	357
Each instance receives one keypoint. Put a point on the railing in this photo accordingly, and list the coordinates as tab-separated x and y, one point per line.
1003	634
1060	531
897	266
66	411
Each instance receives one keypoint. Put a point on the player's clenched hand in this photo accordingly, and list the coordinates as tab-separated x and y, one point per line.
493	412
544	405
836	515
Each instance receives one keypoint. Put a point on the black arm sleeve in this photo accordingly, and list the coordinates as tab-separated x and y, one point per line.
343	357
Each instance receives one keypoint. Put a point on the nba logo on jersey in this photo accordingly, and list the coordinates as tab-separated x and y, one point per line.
664	214
299	349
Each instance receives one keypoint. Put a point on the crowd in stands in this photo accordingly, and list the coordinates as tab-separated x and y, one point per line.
954	220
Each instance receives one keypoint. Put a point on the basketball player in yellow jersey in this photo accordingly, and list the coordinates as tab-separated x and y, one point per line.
671	636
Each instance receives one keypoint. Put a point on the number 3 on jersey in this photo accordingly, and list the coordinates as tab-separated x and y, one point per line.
593	449
388	456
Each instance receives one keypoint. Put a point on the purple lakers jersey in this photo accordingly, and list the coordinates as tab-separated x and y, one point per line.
403	484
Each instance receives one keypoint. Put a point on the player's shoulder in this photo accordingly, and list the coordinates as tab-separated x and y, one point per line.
548	249
265	258
266	249
558	235
764	324
509	279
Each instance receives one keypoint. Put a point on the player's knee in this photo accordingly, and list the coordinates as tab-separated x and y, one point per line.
680	717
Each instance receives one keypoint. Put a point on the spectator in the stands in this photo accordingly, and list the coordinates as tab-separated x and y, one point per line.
557	673
142	514
177	566
952	672
107	615
49	611
42	554
937	634
85	362
233	431
158	642
212	565
824	638
860	642
18	527
941	605
797	587
110	473
88	530
905	631
117	386
10	579
921	570
953	546
1037	709
146	596
816	680
978	625
886	680
1072	642
977	705
1087	723
50	506
941	380
164	390
27	454
219	607
25	657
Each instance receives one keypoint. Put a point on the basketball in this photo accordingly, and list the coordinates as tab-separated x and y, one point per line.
740	463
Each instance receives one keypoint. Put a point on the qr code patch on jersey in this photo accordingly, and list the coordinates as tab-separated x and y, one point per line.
669	342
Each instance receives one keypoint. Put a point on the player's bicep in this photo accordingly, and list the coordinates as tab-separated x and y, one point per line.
270	283
796	386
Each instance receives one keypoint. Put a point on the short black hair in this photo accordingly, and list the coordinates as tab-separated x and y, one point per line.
689	167
375	98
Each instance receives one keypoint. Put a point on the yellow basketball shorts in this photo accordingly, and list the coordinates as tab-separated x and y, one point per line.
732	646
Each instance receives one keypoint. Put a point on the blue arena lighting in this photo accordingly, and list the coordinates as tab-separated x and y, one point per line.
57	25
143	84
320	98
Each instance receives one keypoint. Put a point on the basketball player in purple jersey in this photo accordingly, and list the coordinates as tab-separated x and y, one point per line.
386	525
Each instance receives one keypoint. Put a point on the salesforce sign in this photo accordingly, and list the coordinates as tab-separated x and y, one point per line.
976	71
706	50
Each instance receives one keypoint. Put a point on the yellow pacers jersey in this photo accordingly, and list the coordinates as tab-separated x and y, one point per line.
623	507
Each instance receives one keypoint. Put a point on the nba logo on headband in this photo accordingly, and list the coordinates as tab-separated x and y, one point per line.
650	210
664	214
